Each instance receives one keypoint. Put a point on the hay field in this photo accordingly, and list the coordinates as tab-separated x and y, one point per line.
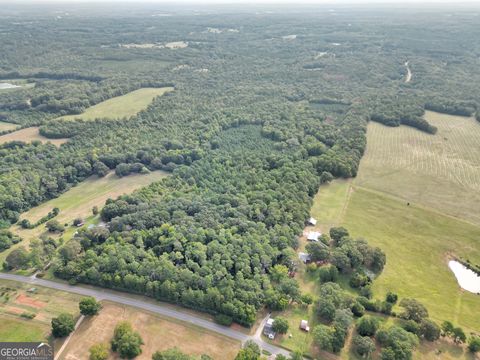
28	135
439	171
7	126
418	243
158	333
121	106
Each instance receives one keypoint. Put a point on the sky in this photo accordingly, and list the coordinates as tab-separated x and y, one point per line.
200	2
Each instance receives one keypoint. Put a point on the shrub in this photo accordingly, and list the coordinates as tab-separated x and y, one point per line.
62	325
98	352
223	320
367	326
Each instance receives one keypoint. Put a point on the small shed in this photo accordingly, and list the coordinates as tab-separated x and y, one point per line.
304	325
304	257
312	221
313	235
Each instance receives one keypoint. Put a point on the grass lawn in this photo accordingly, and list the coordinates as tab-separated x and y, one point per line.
440	171
418	243
121	106
13	329
28	135
158	333
296	339
330	203
7	126
79	201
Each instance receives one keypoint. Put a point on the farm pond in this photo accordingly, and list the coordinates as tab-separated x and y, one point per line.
466	278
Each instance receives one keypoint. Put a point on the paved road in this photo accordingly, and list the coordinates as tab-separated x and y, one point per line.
103	294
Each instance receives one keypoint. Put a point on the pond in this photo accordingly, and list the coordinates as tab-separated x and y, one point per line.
8	86
466	278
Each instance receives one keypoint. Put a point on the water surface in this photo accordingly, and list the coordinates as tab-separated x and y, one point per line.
467	279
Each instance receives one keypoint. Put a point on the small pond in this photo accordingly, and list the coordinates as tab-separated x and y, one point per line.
4	85
466	278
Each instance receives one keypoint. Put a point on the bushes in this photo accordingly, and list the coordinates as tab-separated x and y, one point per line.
7	239
89	306
18	258
125	341
367	326
363	345
62	325
223	320
280	325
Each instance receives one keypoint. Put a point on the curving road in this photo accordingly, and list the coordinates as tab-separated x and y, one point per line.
159	308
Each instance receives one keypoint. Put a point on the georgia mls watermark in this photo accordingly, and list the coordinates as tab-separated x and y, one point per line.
26	351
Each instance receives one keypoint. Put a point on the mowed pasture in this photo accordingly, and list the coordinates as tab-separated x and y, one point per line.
29	135
121	106
440	171
158	333
78	202
16	299
418	244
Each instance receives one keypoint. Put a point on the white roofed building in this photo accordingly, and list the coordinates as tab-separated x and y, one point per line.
313	235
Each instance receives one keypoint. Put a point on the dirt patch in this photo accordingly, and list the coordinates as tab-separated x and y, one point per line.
26	300
14	310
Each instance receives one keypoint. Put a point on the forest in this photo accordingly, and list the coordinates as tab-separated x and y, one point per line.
257	121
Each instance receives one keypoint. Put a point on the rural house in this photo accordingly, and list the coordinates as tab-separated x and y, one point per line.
268	329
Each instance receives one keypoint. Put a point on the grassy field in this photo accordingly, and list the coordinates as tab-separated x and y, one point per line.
79	201
121	106
7	126
15	299
28	135
440	177
158	334
418	243
330	204
439	171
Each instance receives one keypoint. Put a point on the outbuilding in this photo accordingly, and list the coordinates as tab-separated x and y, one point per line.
304	325
313	235
304	257
312	221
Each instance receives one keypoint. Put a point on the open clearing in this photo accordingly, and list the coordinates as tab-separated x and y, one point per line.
15	299
28	135
157	333
5	126
79	201
440	171
418	243
121	106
